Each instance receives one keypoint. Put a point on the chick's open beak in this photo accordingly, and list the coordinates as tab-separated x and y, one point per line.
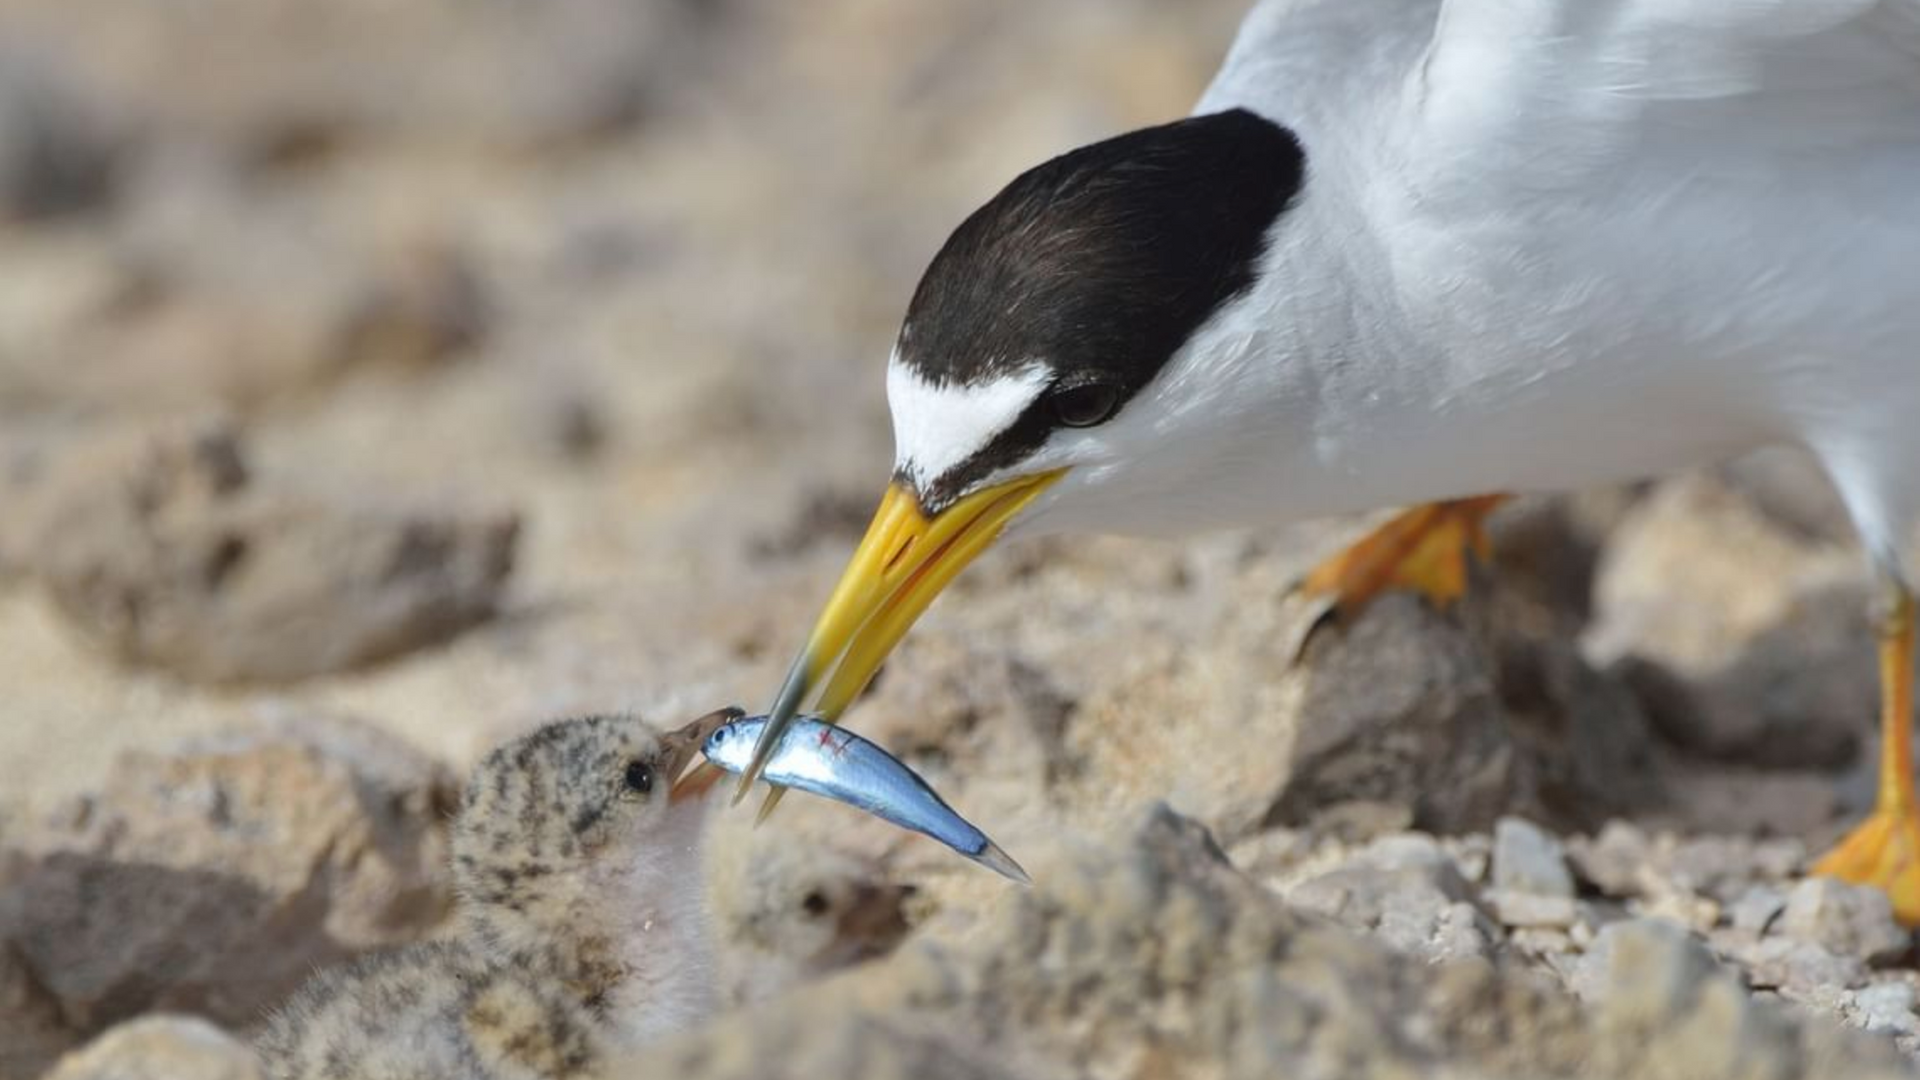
683	746
901	565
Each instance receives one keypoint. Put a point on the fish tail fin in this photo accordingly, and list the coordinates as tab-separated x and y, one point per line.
1002	863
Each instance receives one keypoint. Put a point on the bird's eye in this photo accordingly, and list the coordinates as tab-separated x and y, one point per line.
1084	406
639	777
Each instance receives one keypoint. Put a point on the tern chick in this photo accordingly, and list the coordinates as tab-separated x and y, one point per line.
582	929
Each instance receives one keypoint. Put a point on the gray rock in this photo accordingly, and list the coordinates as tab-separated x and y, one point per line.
1788	485
1527	909
1365	736
1648	959
1462	930
788	912
1655	964
261	316
1545	551
215	880
1756	909
32	1031
1472	853
1616	860
161	1048
57	152
278	107
1851	920
1797	967
1528	860
1541	940
1425	909
426	308
1580	732
1760	655
167	552
1721	868
1887	1008
1402	851
1664	1004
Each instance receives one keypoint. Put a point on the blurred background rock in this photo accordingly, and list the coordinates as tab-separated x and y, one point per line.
378	380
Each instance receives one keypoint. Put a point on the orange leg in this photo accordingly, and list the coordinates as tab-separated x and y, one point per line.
1423	550
1884	850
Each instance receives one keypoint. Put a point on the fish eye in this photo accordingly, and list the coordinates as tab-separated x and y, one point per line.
719	736
639	778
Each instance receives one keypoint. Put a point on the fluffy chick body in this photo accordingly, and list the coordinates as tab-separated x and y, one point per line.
582	929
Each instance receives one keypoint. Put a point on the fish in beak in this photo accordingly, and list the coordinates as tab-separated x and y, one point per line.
906	558
684	745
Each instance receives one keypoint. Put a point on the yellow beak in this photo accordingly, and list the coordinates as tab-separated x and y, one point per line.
901	565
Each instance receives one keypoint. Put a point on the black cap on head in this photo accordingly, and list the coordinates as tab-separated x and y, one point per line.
1099	264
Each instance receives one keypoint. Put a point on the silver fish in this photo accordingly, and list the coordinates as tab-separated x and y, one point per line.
831	761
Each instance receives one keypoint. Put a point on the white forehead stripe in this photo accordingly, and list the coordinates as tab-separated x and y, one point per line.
937	427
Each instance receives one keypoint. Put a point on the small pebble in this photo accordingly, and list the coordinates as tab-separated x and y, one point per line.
1887	1008
1402	850
1423	910
1698	913
1796	967
1528	860
1583	932
1850	920
1540	942
1522	909
1614	860
1473	854
1650	964
1756	909
1460	931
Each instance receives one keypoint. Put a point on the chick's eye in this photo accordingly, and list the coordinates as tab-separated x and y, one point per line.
1084	406
639	777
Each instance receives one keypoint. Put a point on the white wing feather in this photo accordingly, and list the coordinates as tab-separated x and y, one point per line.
1580	75
1772	74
